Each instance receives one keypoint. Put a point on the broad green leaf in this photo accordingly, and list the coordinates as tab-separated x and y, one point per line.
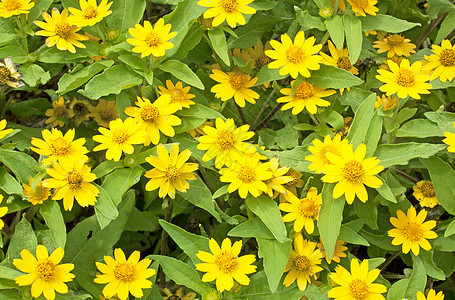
443	119
354	35
354	98
336	30
385	191
268	75
275	255
24	238
188	123
9	184
419	128
54	56
34	75
438	7
373	134
125	14
199	195
105	209
37	10
142	221
450	229
107	167
122	101
439	85
191	40
50	210
333	77
218	40
386	23
5	38
363	116
30	108
133	61
182	72
398	289
200	111
405	114
418	279
446	244
117	183
333	118
308	21
252	228
367	212
18	54
400	154
350	236
294	158
382	241
430	267
8	273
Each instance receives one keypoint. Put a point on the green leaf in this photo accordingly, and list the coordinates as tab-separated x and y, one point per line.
308	21
200	111
34	75
218	40
50	210
199	195
400	154
117	183
37	10
350	236
450	229
443	119
275	255
105	209
419	128
5	38
382	241
438	7
268	75
24	238
439	85
54	56
10	274
354	35
405	114
336	30
267	210
252	228
367	212
446	244
182	72
190	41
430	267
294	158
446	27
333	77
373	134
330	217
17	53
125	14
107	167
385	191
418	279
30	108
363	116
386	23
354	98
9	184
133	61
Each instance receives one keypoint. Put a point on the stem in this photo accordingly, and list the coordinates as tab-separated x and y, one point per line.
206	38
314	119
263	107
269	116
335	9
31	213
325	38
165	236
389	260
406	175
242	115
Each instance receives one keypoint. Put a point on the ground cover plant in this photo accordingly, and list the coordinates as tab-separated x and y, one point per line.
227	149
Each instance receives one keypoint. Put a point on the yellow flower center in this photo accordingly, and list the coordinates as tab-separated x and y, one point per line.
5	74
427	189
75	179
395	39
150	113
226	262
63	30
405	78
106	114
59	111
120	136
447	58
11	5
229	5
295	178
412	232
172	173
353	170
59	146
45	269
225	139
308	208
124	272
90	13
38	192
261	61
302	263
295	54
177	95
152	39
304	90
237	81
359	289
344	63
246	174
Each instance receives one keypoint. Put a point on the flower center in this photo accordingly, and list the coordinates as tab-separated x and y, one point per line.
124	272
152	39
45	269
59	111
395	39
172	173
295	54
427	189
412	232
302	263
261	61
177	95
90	13
59	147
295	178
11	5
344	63
359	289
246	174
361	3
225	140
80	109
308	208
106	114
237	81
305	90
150	113
5	74
120	136
447	58
226	262
39	191
63	30
405	78
75	179
353	170
228	5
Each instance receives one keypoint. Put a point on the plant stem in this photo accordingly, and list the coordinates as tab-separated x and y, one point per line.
406	175
389	260
263	107
31	213
165	236
269	116
242	115
206	38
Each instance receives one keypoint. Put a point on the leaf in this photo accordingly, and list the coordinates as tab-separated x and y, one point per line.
182	72
190	41
400	154
350	236
133	61
8	273
268	75
333	77
438	7
446	28
443	119
125	14
218	40
418	279
5	38
444	243
308	21
398	289
199	195
386	23
450	229
354	98
200	111
107	167
17	53
9	184
54	56
385	191
419	128
34	75
119	182
252	228
30	108
294	158
430	267
382	241
336	30
50	210
373	134
275	255
363	116
37	9
353	30
267	210
24	238
367	212
105	209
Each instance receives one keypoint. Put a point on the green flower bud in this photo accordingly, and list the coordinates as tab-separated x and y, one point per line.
326	12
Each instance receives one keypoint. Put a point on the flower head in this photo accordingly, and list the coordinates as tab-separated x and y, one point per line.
90	13
178	93
104	112
257	53
44	272
178	294
150	39
319	151
358	284
3	211
295	57
339	59
424	192
4	132
124	276
431	295
279	177
9	8
224	264
79	110
450	140
230	10
339	251
411	230
58	112
9	74
395	44
363	7
388	102
234	85
290	186
442	61
36	195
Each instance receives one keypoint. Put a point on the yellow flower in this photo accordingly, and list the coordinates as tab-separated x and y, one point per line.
395	44
104	112
424	192
339	59
3	211
431	295
341	5
224	264
339	251
257	53
303	262
178	93
59	147
412	231
44	272
79	110
72	180
404	79
247	177
351	171
56	113
442	61
119	138
302	211
358	284
226	143
198	131
294	58
305	95
90	13
279	177
360	7
386	101
9	8
170	171
319	151
179	294
60	32
450	140
9	74
234	85
124	276
4	132
155	117
150	39
290	186
229	10
36	195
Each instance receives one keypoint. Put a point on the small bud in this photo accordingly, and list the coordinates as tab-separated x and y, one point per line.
112	35
129	161
214	106
212	295
206	23
326	12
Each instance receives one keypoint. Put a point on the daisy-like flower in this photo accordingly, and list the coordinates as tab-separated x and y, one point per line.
341	5
9	8
3	211
104	112
302	211
79	110
170	171
295	57
319	151
339	251
290	186
225	265
58	112
230	10
247	177
72	180
119	138
442	61
198	131
226	143
303	262
358	284
351	171
278	179
257	53
363	7
178	93
395	44
404	79
450	140
411	231
339	59
36	195
4	132
59	147
387	102
155	117
424	192
150	39
9	74
431	295
124	276
305	95
60	32
44	272
90	13
178	294
234	85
